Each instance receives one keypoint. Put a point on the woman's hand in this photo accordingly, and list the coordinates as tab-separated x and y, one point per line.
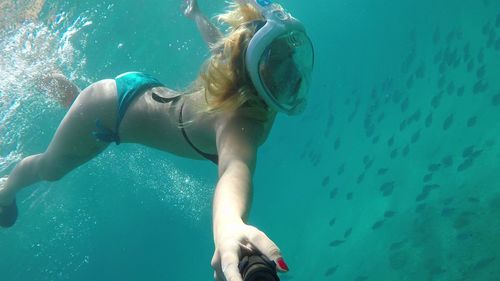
191	8
236	240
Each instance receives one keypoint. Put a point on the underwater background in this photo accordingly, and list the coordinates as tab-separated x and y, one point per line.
390	174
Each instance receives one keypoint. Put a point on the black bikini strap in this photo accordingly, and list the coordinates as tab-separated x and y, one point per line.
160	99
211	157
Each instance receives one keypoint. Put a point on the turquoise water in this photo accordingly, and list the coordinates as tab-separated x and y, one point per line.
390	174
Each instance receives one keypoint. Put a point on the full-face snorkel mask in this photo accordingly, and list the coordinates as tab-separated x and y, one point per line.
279	59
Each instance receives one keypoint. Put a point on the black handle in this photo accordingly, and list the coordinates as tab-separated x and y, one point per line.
257	267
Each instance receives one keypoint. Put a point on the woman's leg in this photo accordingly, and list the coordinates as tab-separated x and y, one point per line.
73	143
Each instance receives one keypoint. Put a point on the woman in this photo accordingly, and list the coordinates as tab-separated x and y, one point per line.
259	68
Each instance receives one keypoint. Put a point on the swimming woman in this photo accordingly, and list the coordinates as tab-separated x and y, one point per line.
260	67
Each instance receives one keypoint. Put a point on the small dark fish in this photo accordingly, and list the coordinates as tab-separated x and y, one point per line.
486	27
381	171
336	243
360	179
389	214
406	150
480	87
436	270
428	177
447	161
381	117
422	196
405	104
348	232
448	201
330	271
390	141
467	51
333	193
378	224
484	262
420	207
332	222
387	188
473	200
430	187
480	56
436	101
446	212
403	124
341	169
326	180
464	236
480	72
472	121
420	73
415	136
470	66
375	139
428	120
436	36
448	122
409	82
461	91
336	145
349	196
433	167
397	245
387	185
468	151
394	153
465	165
495	101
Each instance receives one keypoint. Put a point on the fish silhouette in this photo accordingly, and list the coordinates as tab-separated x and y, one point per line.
378	224
348	232
336	243
495	101
333	193
389	214
448	122
447	161
428	120
331	270
326	180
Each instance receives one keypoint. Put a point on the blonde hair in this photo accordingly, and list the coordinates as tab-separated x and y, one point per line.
223	77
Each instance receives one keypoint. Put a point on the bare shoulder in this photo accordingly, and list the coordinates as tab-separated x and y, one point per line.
243	128
238	139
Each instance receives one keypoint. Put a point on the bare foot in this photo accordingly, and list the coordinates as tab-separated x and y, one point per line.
190	8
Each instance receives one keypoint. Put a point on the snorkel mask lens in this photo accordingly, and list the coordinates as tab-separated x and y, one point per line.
285	70
280	59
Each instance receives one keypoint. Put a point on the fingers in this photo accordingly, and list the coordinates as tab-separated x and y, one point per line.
230	259
268	248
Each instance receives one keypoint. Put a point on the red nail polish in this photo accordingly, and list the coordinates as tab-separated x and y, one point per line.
282	264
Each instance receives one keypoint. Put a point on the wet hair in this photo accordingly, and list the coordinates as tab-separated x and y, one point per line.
223	76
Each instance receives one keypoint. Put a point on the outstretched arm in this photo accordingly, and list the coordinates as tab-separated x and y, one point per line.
208	30
237	144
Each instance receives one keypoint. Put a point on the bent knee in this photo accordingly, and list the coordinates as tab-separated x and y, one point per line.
52	169
51	174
